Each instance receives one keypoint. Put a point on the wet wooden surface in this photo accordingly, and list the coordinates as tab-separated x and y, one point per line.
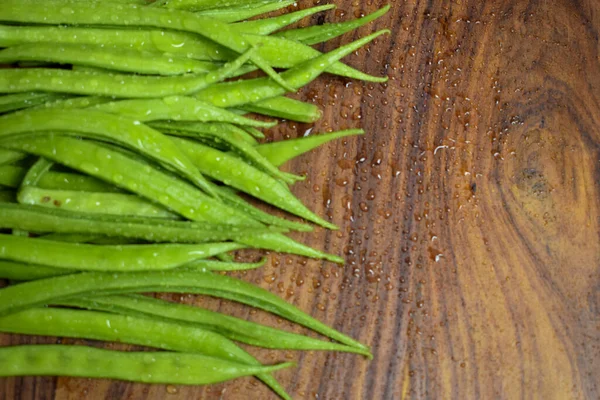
469	215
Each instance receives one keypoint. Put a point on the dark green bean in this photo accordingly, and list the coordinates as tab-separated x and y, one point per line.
111	58
131	174
109	84
200	5
98	13
236	173
216	132
177	108
48	291
266	26
234	94
233	328
106	258
286	108
166	335
234	14
98	125
147	367
321	33
38	219
279	153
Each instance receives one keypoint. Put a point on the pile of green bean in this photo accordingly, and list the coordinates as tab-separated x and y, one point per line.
125	147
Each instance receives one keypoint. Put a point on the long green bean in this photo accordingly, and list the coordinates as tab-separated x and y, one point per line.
98	125
38	219
130	174
46	291
320	33
266	26
119	59
106	258
234	14
153	367
165	335
26	272
233	328
19	101
236	173
94	203
109	84
286	108
176	108
279	153
199	5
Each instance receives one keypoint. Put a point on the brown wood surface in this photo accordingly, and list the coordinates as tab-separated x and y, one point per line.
469	215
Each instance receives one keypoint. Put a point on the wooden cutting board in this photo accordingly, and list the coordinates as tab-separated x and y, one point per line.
469	214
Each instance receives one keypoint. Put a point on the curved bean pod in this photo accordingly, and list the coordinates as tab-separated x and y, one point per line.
38	219
176	108
140	331
219	131
234	14
111	58
320	33
93	203
98	125
266	26
154	367
131	174
18	80
47	291
233	328
279	153
286	108
236	173
87	257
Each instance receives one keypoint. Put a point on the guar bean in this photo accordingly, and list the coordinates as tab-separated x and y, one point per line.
279	153
87	257
234	14
147	367
139	331
266	26
286	108
48	291
131	174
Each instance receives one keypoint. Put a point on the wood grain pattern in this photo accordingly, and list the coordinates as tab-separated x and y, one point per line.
470	215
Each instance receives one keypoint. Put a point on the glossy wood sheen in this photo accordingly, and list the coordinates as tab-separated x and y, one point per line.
469	215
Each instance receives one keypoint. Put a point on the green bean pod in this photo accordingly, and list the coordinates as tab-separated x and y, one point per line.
26	272
146	367
49	291
286	108
216	132
176	108
236	173
94	203
279	153
98	125
19	101
320	33
266	26
38	219
12	177
87	257
21	80
234	94
118	59
139	331
200	5
233	328
132	175
226	140
235	14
